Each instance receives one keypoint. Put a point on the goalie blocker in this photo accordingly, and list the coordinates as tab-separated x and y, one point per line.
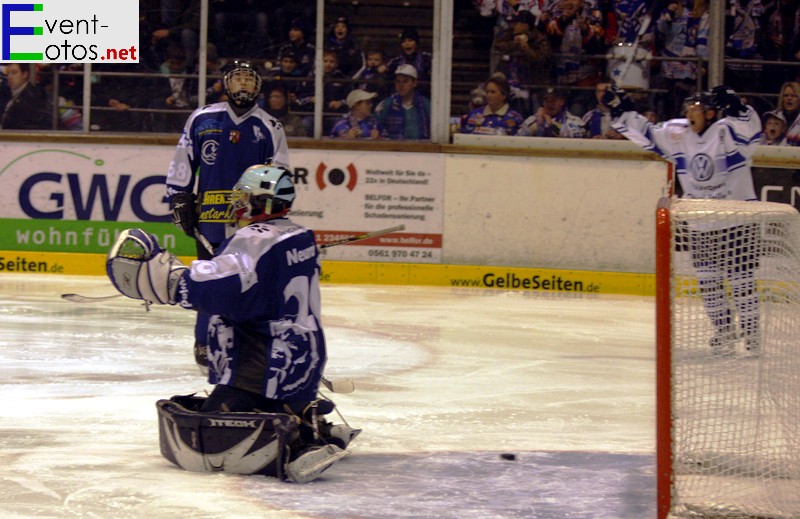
269	444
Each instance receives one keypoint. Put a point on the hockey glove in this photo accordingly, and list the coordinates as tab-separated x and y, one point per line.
140	269
617	100
184	212
727	101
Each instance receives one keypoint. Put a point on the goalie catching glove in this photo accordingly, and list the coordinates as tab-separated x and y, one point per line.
140	269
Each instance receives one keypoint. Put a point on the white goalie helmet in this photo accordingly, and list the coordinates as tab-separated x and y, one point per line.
263	192
242	84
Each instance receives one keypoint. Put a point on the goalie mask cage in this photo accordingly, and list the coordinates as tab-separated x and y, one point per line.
728	413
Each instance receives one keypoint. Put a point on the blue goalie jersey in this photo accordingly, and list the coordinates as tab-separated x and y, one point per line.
262	291
214	150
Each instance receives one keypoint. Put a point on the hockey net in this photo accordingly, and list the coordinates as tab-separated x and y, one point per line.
728	359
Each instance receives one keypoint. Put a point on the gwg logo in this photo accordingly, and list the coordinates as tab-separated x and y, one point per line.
702	167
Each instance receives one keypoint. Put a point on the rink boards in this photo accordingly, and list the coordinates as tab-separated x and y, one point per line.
354	272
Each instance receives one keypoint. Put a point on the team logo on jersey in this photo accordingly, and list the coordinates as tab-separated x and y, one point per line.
208	153
702	167
220	350
294	355
234	136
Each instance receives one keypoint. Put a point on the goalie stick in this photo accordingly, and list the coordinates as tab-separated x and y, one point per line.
77	298
365	236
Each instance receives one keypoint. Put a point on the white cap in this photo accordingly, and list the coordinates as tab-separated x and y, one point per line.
358	95
776	114
406	70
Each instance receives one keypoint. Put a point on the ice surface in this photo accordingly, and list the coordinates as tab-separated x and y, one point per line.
446	381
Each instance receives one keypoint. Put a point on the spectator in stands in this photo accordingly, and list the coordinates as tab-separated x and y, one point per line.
241	27
597	121
683	32
503	11
278	107
300	45
526	56
359	123
180	23
574	29
149	22
26	108
553	119
624	21
774	128
68	116
411	55
374	76
335	87
743	35
118	94
496	117
477	99
347	48
172	92
287	12
289	74
789	107
406	114
780	24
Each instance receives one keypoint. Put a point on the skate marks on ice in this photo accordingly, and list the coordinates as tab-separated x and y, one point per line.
444	485
478	484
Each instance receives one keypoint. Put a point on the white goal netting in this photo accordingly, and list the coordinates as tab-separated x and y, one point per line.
735	310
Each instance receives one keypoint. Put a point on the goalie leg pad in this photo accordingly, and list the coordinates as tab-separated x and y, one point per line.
239	443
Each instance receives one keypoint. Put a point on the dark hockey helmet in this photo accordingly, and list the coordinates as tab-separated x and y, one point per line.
703	99
263	192
242	83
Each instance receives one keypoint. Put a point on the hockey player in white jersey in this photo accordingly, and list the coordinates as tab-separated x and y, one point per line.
219	141
712	151
265	336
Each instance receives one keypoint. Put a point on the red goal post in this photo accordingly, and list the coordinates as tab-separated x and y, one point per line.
728	410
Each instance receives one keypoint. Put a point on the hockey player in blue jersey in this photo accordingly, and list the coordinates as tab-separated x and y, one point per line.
219	141
712	151
266	342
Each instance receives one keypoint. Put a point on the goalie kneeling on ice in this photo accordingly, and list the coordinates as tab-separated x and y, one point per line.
268	444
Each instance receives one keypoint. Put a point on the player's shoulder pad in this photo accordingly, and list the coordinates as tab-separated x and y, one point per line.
203	112
676	125
266	119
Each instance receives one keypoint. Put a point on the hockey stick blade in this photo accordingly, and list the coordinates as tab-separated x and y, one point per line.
77	298
364	236
204	242
343	386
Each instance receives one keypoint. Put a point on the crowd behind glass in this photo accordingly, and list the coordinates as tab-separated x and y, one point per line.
549	63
